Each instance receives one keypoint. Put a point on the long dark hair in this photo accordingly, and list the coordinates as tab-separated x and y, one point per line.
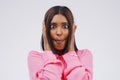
65	11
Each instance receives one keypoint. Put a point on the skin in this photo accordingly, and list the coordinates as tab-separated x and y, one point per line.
59	33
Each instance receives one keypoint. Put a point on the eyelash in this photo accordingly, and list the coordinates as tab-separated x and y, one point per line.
52	26
64	26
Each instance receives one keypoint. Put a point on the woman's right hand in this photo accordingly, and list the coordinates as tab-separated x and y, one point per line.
46	44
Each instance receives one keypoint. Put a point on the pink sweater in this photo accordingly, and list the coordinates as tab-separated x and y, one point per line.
70	66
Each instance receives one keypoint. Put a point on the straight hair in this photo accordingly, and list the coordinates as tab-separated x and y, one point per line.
65	11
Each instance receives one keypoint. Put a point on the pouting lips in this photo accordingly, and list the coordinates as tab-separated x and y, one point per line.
59	41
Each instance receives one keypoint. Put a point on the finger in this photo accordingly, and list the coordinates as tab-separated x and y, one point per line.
74	28
71	47
43	27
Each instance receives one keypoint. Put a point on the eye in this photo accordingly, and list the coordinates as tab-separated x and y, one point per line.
52	26
65	26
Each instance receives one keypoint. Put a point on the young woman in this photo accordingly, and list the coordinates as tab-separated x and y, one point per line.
61	60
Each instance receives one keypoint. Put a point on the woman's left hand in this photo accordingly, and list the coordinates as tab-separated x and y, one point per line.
71	48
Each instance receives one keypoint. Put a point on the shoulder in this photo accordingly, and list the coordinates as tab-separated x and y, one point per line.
33	53
84	52
34	56
41	55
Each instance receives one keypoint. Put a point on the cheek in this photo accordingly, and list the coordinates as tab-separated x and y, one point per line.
52	34
66	33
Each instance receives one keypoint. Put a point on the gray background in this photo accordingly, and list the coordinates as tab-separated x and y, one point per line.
98	29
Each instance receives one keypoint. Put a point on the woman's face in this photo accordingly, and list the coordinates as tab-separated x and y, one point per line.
59	31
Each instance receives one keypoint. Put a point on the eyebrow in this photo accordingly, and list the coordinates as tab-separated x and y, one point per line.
53	23
63	23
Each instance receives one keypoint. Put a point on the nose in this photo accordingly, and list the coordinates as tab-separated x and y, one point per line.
59	31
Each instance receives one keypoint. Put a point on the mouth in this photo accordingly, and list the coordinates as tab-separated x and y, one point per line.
59	41
59	44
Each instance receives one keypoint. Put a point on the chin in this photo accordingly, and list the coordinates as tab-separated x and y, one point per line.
59	49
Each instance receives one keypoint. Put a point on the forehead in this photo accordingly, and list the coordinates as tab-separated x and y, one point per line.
59	18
